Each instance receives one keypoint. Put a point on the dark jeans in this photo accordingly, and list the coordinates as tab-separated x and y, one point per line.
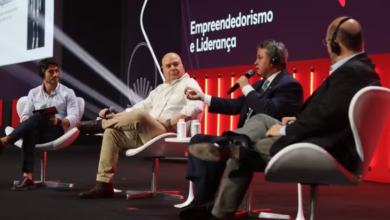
37	129
206	175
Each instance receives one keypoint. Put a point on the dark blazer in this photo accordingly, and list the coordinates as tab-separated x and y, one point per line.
323	119
284	96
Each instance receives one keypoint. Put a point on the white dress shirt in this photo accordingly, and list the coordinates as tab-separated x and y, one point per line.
167	100
63	98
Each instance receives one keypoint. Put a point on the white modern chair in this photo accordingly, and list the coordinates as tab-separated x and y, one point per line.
62	142
310	164
158	148
190	196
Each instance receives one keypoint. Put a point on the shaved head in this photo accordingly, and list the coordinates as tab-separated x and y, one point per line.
170	55
349	34
172	67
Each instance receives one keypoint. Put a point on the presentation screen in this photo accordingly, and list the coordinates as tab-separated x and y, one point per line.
26	30
222	33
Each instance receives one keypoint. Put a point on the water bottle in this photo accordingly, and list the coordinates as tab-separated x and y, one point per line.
181	129
195	127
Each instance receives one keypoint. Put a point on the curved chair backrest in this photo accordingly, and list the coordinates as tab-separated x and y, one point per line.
20	105
23	100
368	114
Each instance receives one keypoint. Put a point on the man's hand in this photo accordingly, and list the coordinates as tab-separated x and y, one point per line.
53	119
242	81
193	94
25	118
285	120
102	112
109	116
274	131
161	119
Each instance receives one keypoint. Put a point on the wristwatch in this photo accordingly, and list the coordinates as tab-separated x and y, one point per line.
59	122
168	122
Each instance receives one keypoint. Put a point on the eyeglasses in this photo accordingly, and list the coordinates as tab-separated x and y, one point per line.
325	41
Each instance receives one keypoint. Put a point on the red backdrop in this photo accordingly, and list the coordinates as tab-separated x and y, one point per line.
215	124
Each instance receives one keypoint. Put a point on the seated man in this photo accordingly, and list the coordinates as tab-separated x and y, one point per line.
323	120
159	113
38	128
278	94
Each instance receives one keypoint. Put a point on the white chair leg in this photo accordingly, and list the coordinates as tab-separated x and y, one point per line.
300	206
189	198
48	184
153	193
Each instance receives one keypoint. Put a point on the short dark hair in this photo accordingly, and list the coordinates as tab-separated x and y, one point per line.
44	64
277	49
351	40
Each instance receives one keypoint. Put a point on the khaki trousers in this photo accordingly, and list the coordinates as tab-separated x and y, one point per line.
131	130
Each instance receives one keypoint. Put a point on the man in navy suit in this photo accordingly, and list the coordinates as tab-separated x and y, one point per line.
277	95
323	120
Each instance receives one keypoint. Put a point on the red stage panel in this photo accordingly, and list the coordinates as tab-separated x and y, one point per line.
380	164
15	116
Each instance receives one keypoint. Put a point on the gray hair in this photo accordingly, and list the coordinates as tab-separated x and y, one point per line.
277	50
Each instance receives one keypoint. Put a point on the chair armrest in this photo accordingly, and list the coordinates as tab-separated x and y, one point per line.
307	164
62	142
158	148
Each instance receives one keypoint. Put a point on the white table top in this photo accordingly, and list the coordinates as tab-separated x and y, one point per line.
178	140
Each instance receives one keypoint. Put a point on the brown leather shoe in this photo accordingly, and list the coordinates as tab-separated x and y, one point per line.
90	127
216	152
100	190
24	184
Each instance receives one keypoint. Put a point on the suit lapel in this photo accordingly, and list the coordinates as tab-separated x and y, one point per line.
273	83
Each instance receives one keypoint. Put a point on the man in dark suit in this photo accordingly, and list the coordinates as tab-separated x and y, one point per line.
276	95
323	120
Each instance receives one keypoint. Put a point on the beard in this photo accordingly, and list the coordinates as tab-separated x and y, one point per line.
52	81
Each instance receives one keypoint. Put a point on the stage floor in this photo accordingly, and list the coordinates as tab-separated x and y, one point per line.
78	165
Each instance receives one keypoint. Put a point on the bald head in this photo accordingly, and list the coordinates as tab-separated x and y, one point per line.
172	67
170	56
349	35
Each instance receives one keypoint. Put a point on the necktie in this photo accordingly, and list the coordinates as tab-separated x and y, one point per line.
263	88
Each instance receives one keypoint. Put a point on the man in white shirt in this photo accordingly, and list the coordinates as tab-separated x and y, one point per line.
157	114
39	127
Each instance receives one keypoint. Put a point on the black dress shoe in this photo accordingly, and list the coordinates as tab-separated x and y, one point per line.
195	211
90	127
100	190
24	184
1	147
220	151
215	218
